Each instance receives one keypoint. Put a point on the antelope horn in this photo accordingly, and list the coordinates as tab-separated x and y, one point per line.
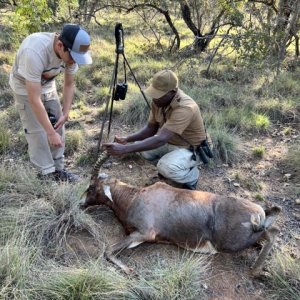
100	160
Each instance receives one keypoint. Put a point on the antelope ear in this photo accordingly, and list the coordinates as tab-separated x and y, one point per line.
107	192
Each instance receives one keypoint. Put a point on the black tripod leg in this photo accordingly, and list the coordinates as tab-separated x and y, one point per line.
109	97
125	59
113	93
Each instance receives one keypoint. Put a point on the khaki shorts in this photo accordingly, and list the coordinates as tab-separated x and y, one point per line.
47	158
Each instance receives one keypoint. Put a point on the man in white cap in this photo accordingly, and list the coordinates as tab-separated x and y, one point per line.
40	58
174	127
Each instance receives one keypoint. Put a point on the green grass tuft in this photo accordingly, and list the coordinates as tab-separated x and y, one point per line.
285	276
74	141
225	144
92	281
179	280
5	141
258	152
261	122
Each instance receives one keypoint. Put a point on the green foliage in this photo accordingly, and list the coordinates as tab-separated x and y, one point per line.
135	111
74	141
92	282
85	159
62	10
225	144
16	260
179	280
259	197
277	109
259	151
253	47
28	17
5	141
261	122
4	78
285	275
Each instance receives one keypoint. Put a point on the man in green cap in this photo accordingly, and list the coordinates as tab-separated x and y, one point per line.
174	127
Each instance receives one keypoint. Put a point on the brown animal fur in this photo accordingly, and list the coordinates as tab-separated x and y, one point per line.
189	219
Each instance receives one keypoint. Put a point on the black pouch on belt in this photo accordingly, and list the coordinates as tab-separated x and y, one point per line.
204	151
205	147
202	154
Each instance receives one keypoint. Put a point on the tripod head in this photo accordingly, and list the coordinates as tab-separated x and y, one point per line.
119	35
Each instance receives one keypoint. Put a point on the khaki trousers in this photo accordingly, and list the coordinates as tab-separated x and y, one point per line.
47	158
174	163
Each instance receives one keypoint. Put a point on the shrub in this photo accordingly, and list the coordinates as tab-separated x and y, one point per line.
135	111
225	144
261	122
3	80
5	142
74	141
179	280
258	152
285	275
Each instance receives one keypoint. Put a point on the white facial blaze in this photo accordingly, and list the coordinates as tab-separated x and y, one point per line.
106	189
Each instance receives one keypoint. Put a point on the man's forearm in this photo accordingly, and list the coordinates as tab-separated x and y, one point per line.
34	98
144	133
150	143
68	94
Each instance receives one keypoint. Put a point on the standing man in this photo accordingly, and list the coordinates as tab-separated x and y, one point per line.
174	127
40	58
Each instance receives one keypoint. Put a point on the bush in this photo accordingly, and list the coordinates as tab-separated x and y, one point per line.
261	122
5	142
74	141
225	144
285	276
258	152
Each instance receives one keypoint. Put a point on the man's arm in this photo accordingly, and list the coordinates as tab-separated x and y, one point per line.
153	142
68	94
150	129
34	97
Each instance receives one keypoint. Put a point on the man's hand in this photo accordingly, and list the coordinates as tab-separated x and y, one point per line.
61	121
55	140
115	148
120	140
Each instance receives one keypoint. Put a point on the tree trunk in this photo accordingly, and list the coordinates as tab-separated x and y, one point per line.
201	40
286	28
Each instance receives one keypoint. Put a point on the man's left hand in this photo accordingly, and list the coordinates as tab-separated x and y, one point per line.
115	148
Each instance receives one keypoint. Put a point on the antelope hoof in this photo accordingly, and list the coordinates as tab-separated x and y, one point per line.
261	275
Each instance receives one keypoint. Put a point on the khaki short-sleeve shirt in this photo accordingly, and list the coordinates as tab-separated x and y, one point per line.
37	61
183	117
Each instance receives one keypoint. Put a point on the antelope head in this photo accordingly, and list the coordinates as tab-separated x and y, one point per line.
97	192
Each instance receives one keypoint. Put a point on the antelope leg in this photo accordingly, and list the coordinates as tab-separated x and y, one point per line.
269	236
130	241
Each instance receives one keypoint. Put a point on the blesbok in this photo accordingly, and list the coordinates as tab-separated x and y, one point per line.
189	219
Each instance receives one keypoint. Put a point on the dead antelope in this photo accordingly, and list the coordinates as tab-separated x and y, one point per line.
189	219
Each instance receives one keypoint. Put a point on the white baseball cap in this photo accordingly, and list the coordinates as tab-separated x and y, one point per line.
77	40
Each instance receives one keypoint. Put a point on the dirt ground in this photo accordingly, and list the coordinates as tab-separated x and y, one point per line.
266	181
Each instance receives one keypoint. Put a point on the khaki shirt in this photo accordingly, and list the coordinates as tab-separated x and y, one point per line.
183	117
36	61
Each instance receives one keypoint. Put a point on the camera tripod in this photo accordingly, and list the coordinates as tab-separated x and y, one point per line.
117	91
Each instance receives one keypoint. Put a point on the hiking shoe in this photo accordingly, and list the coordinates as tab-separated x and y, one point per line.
64	175
59	175
188	186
